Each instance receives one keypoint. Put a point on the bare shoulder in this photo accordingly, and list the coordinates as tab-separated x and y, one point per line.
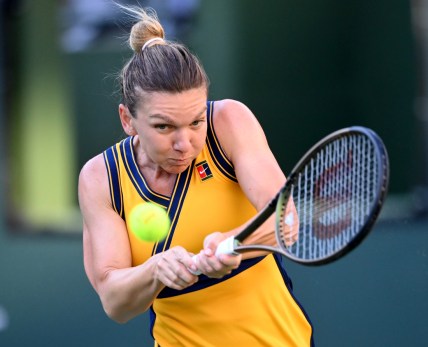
93	169
245	144
228	111
236	127
93	181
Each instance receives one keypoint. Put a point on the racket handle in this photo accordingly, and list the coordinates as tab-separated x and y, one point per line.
227	246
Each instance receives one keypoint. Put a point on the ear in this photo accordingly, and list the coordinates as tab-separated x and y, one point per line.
126	120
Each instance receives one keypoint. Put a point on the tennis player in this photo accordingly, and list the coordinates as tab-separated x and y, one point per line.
209	165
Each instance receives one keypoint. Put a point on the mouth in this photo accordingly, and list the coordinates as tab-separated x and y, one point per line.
180	161
177	165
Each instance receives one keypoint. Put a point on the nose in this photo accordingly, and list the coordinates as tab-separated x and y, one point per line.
182	141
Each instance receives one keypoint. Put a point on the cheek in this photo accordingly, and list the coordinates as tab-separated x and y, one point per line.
160	144
200	142
155	143
200	137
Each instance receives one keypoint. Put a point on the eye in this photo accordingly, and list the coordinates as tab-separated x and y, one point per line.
196	123
162	126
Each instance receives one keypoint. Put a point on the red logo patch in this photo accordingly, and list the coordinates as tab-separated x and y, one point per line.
204	170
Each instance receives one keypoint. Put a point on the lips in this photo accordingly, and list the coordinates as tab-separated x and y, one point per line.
180	161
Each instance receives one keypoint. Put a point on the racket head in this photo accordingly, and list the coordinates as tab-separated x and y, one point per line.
338	189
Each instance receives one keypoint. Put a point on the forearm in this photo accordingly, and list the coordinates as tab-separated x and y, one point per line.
266	235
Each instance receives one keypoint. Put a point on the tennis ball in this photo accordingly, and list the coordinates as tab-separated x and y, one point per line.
149	222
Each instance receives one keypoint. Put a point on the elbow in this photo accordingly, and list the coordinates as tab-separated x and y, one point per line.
121	312
116	316
115	313
120	303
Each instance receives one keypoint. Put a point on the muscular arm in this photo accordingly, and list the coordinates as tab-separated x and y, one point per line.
258	174
125	291
256	168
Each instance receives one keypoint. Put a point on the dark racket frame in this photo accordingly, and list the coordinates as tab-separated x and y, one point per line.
338	189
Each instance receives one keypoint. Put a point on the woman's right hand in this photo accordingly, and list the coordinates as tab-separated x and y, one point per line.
173	268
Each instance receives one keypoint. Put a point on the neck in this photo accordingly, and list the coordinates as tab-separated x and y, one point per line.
155	176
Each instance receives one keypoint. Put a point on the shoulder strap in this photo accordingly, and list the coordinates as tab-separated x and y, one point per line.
112	165
219	157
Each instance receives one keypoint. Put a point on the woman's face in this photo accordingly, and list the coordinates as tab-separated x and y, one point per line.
172	128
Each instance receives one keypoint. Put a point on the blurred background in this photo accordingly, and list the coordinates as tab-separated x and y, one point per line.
305	68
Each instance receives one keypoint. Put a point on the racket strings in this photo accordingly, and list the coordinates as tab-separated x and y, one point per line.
333	195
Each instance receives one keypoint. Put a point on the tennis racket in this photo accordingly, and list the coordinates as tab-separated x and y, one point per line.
338	189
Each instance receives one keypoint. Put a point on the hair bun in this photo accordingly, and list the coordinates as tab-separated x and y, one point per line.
148	27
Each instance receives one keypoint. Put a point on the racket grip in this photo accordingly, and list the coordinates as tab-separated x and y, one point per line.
227	246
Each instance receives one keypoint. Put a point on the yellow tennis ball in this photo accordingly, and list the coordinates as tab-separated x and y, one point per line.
149	222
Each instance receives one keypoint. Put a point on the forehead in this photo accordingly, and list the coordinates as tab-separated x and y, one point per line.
188	103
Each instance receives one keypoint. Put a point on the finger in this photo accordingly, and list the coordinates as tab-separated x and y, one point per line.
193	268
172	270
232	261
189	260
178	279
201	263
214	267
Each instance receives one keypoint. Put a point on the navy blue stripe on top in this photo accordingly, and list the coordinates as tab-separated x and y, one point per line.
137	179
178	196
205	282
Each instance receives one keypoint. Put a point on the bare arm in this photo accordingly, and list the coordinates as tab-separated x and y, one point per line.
245	144
256	168
125	291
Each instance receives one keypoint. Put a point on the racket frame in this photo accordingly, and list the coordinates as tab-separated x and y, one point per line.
233	245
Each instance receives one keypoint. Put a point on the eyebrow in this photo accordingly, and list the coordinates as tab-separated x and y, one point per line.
161	117
167	119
